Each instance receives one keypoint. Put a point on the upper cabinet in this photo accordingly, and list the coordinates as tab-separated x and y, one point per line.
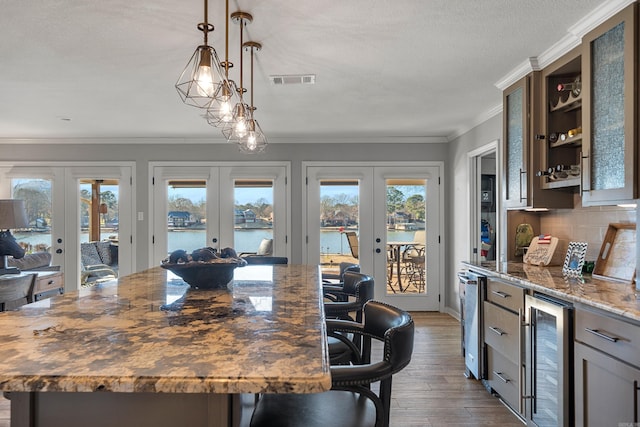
522	187
571	129
560	140
609	128
516	142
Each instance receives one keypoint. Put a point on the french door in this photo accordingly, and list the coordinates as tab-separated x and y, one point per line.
64	210
385	217
219	205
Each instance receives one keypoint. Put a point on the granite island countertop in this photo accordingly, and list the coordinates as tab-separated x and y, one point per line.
611	296
149	332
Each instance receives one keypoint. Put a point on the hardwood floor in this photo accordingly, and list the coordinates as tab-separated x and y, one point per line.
432	391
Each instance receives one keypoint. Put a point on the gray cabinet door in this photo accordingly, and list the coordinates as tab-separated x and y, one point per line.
606	390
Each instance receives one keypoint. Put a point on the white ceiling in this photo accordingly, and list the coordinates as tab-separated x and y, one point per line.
404	70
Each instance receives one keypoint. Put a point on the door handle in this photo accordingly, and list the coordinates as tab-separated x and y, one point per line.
501	377
635	401
501	294
497	330
602	335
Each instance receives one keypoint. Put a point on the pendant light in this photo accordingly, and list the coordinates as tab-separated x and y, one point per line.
237	127
255	140
201	80
220	111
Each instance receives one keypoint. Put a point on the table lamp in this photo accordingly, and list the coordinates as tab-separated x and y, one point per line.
12	215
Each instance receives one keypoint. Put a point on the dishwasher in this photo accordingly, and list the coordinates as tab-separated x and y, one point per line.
472	290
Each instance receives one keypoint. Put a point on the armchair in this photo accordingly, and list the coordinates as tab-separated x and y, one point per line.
99	263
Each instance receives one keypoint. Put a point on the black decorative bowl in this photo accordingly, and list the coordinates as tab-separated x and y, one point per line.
206	275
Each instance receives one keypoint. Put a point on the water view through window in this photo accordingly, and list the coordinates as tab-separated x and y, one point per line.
405	224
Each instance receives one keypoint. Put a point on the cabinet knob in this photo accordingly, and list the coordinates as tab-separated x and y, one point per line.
58	251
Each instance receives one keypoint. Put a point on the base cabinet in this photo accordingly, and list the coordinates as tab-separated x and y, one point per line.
503	340
606	370
606	390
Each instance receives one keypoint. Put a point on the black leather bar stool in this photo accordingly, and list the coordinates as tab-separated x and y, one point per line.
351	402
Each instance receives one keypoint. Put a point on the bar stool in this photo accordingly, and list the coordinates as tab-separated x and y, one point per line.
351	401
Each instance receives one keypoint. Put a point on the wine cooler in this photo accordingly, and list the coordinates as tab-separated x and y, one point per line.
548	391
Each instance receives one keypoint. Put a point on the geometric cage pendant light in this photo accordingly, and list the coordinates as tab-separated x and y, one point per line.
237	127
254	140
201	80
220	111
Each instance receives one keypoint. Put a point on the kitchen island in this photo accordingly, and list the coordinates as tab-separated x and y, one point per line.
148	350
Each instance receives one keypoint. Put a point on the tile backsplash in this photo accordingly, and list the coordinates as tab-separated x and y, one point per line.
584	224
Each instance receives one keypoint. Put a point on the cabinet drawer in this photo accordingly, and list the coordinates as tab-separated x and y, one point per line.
610	335
502	331
503	377
48	282
505	295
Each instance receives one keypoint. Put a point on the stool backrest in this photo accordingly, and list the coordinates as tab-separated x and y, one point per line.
266	260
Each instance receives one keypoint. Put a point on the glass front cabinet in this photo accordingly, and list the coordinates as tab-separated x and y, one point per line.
516	143
609	158
523	149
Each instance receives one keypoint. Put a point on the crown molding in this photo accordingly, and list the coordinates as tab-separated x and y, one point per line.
329	139
529	65
335	139
600	14
572	39
492	112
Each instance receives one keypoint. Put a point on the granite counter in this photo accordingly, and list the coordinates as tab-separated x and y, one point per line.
613	297
149	333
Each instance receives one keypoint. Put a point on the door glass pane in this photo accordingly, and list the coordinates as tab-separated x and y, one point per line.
546	371
186	215
406	235
99	215
607	146
98	210
36	194
515	143
253	221
339	219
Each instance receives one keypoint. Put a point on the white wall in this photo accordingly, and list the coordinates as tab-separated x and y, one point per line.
459	238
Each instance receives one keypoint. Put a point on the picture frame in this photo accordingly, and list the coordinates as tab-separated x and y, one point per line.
573	262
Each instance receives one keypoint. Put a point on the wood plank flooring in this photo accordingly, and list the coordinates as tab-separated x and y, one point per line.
432	391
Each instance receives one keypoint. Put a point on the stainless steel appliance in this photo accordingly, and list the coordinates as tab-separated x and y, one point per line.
472	289
549	361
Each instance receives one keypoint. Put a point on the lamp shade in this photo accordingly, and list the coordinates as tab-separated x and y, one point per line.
13	214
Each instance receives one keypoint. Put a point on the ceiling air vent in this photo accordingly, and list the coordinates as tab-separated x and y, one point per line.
294	79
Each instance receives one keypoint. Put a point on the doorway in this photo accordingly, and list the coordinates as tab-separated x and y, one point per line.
65	208
385	217
484	195
219	206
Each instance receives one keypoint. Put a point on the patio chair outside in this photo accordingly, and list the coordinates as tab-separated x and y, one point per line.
352	238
